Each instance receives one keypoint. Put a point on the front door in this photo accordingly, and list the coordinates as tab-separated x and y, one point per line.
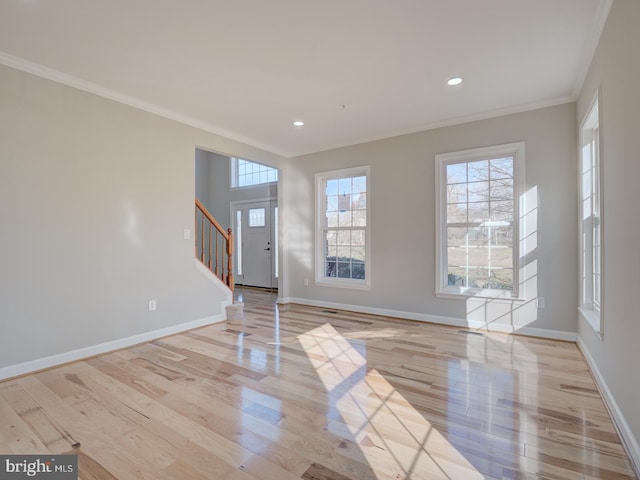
254	244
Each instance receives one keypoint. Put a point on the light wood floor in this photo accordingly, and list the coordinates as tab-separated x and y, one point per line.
299	392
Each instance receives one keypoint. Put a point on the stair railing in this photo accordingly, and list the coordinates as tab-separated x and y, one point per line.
214	245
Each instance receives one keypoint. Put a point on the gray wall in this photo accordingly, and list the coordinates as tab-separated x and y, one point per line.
94	198
203	176
403	221
615	70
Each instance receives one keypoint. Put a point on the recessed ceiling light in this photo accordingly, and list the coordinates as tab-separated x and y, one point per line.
452	82
298	123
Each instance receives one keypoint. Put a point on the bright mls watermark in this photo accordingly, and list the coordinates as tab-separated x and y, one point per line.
49	467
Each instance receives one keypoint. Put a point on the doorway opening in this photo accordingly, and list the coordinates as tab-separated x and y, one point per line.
242	195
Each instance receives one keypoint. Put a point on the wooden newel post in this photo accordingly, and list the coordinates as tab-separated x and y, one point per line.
230	281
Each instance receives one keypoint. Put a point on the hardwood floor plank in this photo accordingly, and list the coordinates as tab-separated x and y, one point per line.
89	468
49	430
300	392
320	472
16	436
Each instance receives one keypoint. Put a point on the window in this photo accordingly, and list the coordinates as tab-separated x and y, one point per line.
590	222
257	217
245	173
342	246
238	237
276	268
478	195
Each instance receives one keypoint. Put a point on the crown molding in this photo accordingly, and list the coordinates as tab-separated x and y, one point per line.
84	85
93	88
591	45
451	122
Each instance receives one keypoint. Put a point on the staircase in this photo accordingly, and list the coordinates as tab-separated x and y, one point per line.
214	245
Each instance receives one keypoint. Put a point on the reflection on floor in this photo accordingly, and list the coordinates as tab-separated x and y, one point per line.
298	392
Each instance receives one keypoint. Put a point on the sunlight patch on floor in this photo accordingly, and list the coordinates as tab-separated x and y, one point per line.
396	440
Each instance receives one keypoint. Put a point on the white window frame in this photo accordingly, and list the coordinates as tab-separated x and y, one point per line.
590	221
443	290
321	180
234	173
274	230
238	240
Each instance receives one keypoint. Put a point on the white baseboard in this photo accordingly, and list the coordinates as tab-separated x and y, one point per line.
547	333
624	430
423	317
74	355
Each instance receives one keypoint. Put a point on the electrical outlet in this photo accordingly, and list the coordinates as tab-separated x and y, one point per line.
152	305
305	282
187	234
540	302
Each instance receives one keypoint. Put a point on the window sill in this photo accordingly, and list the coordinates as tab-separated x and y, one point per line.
245	187
592	318
343	284
481	294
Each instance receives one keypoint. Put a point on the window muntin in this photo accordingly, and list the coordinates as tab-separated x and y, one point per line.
478	196
343	228
590	222
245	173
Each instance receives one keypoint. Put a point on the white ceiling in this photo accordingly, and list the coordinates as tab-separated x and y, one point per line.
248	68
